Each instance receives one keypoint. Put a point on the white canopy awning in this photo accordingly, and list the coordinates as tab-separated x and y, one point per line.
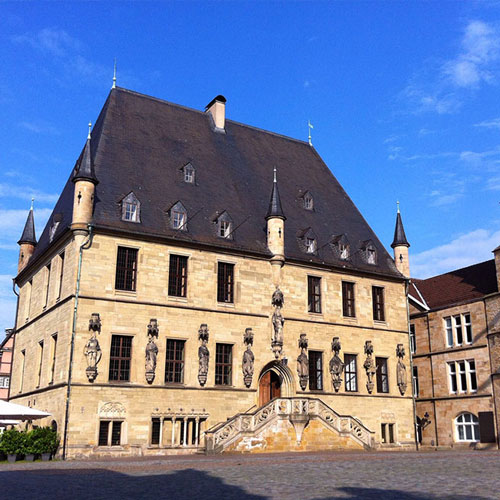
12	411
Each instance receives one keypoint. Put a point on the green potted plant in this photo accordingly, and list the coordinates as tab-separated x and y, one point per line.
12	444
46	442
29	446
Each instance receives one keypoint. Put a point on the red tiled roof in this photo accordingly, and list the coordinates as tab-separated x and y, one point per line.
468	283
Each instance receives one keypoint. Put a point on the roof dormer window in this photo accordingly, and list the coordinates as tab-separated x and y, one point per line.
369	252
131	208
308	201
307	240
344	251
189	173
178	217
311	245
55	224
224	229
340	246
224	225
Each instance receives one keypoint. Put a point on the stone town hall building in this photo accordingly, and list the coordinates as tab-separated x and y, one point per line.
178	300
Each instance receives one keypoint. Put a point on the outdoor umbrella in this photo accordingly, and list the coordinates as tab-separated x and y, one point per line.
12	411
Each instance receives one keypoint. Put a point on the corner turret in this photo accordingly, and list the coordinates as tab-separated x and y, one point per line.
27	242
85	182
276	231
400	246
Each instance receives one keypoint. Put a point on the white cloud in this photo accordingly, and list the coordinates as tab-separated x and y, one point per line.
495	123
465	250
39	127
12	223
493	184
7	304
26	193
50	40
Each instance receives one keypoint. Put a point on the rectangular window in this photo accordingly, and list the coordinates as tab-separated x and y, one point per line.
47	284
103	432
223	364
455	327
131	212
107	439
387	433
452	373
224	229
126	269
413	340
471	370
350	373
155	431
178	219
315	370
116	432
458	330
468	328
174	366
40	344
313	294
225	282
462	376
348	299
382	377
23	353
378	303
4	382
177	276
449	332
28	298
416	388
61	274
54	351
120	356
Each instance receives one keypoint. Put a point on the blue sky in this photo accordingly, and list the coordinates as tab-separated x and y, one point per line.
403	97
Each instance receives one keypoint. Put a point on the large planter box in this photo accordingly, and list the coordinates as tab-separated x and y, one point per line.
45	457
29	457
11	458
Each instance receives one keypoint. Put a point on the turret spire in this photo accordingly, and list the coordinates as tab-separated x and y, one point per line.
275	209
28	235
84	169
399	232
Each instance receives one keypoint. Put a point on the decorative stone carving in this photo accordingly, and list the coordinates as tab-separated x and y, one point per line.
92	349
112	409
369	366
401	369
303	362
151	350
277	301
336	365
248	358
203	354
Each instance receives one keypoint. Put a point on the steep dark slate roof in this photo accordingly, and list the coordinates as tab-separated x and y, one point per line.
28	235
140	144
399	233
468	283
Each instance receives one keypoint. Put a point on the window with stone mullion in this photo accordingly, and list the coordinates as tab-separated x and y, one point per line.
120	355
177	276
126	268
315	370
314	294
223	364
174	366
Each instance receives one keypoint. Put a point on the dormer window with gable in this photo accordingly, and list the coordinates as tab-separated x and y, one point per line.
224	225
308	242
310	245
370	252
131	208
308	201
189	173
55	224
341	247
178	217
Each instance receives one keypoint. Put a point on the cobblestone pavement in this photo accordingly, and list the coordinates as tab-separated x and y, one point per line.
312	476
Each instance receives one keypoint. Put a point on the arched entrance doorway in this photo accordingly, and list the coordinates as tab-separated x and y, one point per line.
275	381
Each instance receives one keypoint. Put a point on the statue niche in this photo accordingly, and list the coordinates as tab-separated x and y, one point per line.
303	362
248	358
92	350
369	366
401	369
203	354
151	350
277	301
336	365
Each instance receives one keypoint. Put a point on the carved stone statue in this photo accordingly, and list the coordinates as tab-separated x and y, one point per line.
303	362
151	350
203	354
369	366
92	348
248	358
401	369
277	301
336	365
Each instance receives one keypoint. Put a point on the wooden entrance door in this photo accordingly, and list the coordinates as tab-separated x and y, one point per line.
269	387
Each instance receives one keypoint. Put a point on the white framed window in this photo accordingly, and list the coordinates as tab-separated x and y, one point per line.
416	387
371	256
462	376
413	340
131	208
224	229
130	212
344	251
308	201
467	428
455	327
310	245
178	219
4	382
189	174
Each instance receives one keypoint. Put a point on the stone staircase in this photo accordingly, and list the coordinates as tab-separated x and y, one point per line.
268	428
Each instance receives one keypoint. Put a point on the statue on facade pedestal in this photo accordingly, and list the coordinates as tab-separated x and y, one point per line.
151	350
401	369
303	362
248	358
336	365
92	349
369	366
277	301
203	354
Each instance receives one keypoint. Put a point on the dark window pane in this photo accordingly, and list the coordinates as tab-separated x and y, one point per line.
225	282
391	433
314	294
223	364
382	380
350	373
315	371
126	268
348	299
103	432
174	366
116	434
384	436
177	276
120	354
378	303
155	431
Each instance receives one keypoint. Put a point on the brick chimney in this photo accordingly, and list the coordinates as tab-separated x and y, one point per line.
217	108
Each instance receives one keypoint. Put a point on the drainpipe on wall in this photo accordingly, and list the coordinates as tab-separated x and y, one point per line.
13	335
414	404
85	246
